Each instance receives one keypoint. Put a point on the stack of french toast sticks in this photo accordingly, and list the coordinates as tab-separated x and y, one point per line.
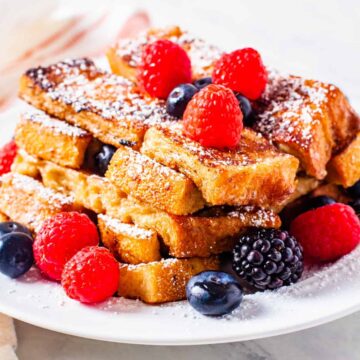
166	206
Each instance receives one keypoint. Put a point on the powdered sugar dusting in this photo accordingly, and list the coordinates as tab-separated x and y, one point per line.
126	229
28	184
84	87
290	107
58	126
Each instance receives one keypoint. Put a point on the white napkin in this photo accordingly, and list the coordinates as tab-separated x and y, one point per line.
8	339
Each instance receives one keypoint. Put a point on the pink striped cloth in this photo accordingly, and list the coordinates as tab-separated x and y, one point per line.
77	35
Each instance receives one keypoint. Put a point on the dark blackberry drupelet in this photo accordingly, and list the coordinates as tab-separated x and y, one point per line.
268	258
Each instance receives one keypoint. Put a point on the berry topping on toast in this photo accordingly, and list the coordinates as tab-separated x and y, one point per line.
242	71
213	118
164	65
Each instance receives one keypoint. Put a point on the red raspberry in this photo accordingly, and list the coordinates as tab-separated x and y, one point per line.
60	238
328	232
213	117
242	71
7	156
164	65
90	276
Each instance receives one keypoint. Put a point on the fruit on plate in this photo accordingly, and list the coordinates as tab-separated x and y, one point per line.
16	253
213	118
164	65
11	226
7	156
214	293
328	232
268	258
242	71
60	238
91	275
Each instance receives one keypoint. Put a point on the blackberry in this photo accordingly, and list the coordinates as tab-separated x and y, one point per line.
268	258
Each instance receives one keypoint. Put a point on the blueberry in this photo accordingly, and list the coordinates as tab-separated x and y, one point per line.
246	109
201	83
318	201
179	98
356	206
16	254
103	158
214	293
10	227
354	191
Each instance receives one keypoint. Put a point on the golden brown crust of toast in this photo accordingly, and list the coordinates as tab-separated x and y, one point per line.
93	192
145	179
304	186
63	144
28	202
333	191
344	168
52	139
185	236
3	217
108	106
210	231
307	118
255	173
161	281
129	243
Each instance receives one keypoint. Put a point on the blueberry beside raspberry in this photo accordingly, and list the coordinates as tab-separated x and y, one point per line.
16	254
268	258
246	109
203	82
318	201
179	98
8	227
214	293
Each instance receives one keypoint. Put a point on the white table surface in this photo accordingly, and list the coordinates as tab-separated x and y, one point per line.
319	39
339	340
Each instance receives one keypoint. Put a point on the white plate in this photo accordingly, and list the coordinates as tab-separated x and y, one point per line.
323	295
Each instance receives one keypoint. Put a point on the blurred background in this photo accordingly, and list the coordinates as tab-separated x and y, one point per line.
317	39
